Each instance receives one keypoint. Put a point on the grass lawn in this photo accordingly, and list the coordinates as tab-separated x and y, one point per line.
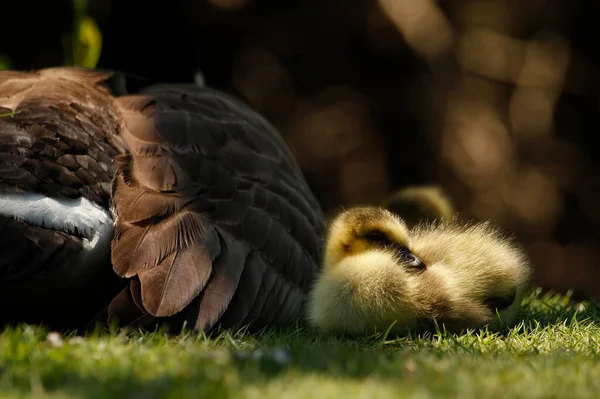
554	353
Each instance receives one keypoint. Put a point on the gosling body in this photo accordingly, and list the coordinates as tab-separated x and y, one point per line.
379	273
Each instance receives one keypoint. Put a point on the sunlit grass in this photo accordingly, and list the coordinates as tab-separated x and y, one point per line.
552	353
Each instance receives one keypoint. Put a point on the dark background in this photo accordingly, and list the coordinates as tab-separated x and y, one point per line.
497	101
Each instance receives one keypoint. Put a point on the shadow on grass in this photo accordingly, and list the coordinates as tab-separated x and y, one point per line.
153	365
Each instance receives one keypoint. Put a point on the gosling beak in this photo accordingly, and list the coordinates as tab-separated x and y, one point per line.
411	260
416	263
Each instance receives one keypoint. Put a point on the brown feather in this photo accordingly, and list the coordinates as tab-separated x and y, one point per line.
123	310
60	141
135	288
141	246
176	280
63	135
214	222
222	286
206	191
139	205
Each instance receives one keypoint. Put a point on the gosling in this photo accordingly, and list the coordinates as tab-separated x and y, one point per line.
380	274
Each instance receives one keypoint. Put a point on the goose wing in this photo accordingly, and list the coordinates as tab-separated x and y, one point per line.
214	222
57	127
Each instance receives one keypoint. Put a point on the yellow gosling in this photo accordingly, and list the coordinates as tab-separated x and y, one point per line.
378	272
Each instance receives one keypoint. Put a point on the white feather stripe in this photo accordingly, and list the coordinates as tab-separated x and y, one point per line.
74	216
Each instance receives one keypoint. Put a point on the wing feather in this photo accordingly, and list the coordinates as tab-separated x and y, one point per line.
59	136
213	215
176	279
59	133
56	132
228	268
247	292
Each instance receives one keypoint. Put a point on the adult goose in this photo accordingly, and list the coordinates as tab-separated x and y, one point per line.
155	202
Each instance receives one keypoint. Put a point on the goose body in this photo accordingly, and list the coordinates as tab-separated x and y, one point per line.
158	203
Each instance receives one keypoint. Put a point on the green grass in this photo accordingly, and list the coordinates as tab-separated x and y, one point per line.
552	354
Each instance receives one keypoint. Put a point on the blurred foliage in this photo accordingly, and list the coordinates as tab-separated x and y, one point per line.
84	44
5	62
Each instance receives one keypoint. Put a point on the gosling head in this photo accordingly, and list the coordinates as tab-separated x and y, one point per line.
378	273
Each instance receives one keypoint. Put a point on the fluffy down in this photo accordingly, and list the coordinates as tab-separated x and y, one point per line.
377	272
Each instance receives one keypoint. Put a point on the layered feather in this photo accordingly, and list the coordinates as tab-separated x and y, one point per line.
214	222
209	203
58	131
58	141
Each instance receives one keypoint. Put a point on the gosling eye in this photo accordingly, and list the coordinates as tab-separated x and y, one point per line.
499	302
377	237
411	260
